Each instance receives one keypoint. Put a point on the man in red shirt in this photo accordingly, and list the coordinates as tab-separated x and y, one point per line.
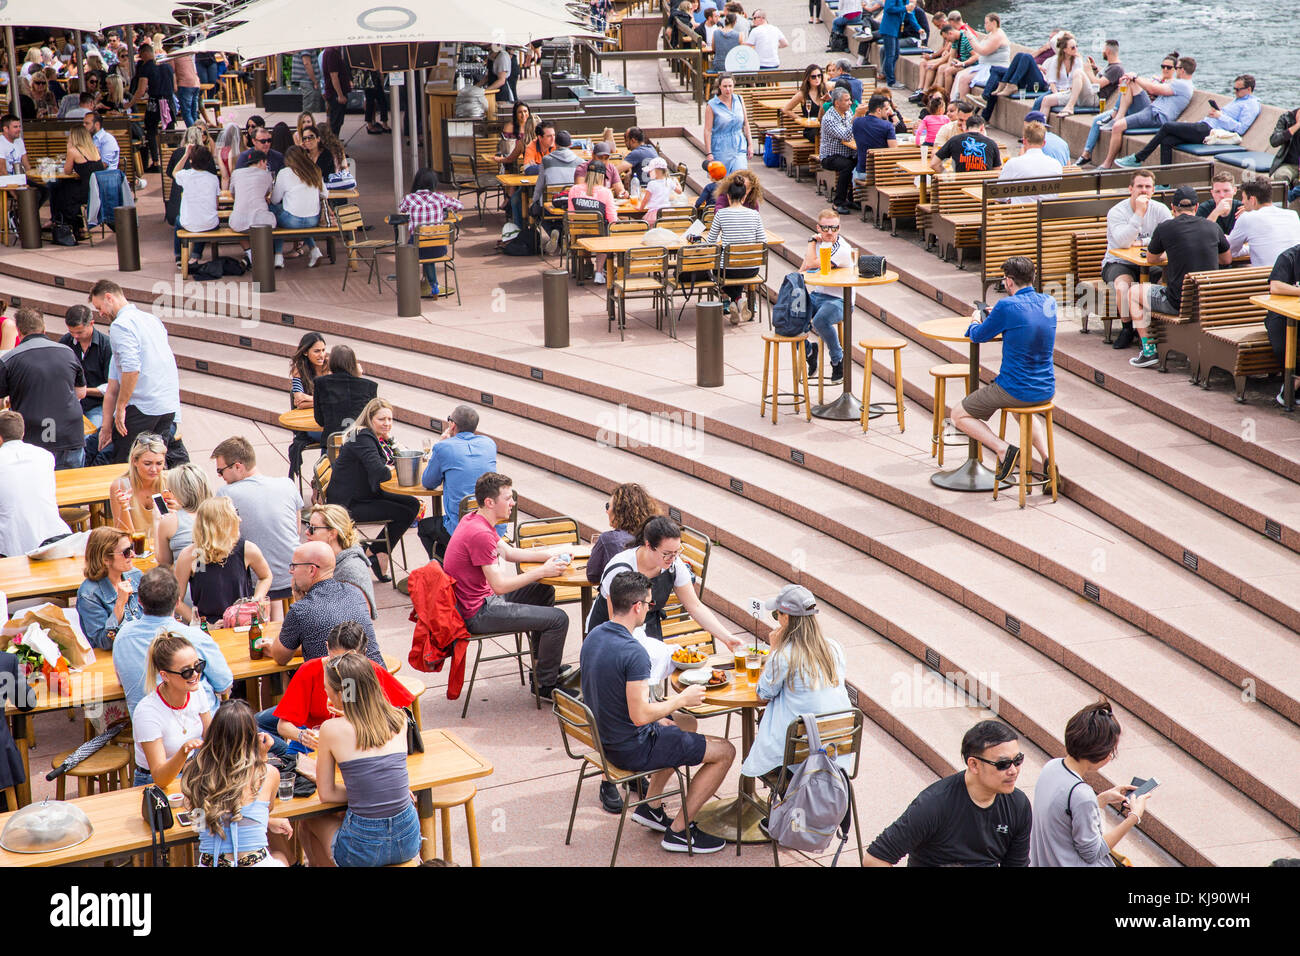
489	597
303	708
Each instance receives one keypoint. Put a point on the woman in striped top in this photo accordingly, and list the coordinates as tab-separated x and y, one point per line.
309	360
734	224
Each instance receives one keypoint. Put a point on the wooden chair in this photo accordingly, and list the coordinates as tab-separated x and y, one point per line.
941	374
581	225
698	267
466	178
643	275
840	733
747	255
871	346
623	226
1025	455
582	742
360	249
431	239
1087	249
675	218
548	533
798	373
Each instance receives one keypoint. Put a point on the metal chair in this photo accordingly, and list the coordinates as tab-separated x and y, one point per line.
841	733
675	218
642	275
698	266
747	256
352	229
467	179
578	728
581	225
547	533
430	239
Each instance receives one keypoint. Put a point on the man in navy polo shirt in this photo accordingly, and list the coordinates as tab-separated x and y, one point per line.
1026	320
872	131
636	732
456	462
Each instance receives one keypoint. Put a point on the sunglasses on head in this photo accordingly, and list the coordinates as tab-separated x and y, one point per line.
1005	764
189	673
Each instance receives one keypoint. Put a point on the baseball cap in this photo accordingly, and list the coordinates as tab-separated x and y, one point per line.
1036	116
793	599
602	148
563	139
1184	196
657	163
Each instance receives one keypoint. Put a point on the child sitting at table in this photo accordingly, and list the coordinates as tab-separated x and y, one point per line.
659	191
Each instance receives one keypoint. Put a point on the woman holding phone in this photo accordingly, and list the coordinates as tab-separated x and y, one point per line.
131	496
1068	828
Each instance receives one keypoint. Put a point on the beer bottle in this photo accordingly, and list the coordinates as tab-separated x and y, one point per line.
254	638
203	625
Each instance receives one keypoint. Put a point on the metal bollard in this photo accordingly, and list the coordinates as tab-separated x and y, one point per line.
708	344
259	88
128	239
263	242
29	218
555	308
408	280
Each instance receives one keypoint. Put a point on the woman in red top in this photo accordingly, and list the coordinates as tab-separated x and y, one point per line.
303	708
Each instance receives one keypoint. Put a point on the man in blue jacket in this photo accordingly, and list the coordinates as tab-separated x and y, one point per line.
1026	320
891	28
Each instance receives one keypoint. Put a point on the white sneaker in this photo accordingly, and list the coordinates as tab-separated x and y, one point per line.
598	278
552	242
279	260
141	184
248	256
314	257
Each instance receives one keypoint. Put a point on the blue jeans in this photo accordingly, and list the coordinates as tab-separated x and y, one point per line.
196	248
96	415
189	97
70	458
142	778
826	311
1140	102
839	23
371	841
888	57
288	221
1022	71
270	724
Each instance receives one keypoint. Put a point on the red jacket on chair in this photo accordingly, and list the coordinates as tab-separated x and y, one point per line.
439	629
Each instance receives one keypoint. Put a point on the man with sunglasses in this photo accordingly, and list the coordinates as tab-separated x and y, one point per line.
1235	117
1170	96
158	594
324	602
826	306
973	818
261	149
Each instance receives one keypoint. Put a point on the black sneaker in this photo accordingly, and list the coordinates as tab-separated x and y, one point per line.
810	350
1125	338
675	841
916	97
641	786
837	372
652	818
547	691
611	801
1008	463
1146	358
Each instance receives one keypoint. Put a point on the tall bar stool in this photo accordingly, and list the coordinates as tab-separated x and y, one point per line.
821	362
1026	454
445	799
870	346
941	374
798	374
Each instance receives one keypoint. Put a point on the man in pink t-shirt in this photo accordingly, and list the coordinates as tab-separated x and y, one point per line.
489	597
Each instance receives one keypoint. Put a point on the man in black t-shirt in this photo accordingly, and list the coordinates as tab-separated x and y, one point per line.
970	151
973	818
95	352
1283	280
1187	244
146	87
1221	208
44	383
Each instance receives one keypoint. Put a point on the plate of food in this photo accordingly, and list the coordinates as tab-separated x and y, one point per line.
707	676
686	658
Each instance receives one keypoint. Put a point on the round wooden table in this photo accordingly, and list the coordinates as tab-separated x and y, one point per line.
972	475
300	420
574	576
846	408
718	817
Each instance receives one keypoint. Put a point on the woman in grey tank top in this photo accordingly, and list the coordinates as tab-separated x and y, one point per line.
993	49
367	740
187	488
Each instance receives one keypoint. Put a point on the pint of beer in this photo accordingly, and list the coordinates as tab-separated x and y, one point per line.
824	258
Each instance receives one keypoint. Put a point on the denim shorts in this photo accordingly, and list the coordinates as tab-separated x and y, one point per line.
377	841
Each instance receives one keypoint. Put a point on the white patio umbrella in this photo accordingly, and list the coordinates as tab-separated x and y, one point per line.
272	27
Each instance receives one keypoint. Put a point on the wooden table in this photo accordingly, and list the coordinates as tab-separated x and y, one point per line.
718	817
86	486
417	491
300	420
846	407
119	828
574	576
21	578
1287	306
97	683
972	475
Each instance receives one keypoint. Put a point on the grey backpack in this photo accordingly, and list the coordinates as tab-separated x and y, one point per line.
815	804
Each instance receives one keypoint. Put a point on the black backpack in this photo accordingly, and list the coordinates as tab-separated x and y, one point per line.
218	268
523	244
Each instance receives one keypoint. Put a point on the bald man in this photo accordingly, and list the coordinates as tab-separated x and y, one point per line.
322	604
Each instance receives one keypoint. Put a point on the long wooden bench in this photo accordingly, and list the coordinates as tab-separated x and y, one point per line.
49	138
956	218
894	192
1217	327
225	235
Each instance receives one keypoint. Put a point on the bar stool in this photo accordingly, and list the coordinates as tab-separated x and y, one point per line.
11	798
821	363
444	799
1025	456
78	519
100	767
941	374
798	374
895	345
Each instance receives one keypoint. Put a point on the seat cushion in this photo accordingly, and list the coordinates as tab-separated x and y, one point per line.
1078	110
914	50
1200	149
1141	131
1258	160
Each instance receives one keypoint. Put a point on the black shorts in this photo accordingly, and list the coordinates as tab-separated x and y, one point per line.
1113	270
667	745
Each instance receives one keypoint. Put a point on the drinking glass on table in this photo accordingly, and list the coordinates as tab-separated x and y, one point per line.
753	666
287	780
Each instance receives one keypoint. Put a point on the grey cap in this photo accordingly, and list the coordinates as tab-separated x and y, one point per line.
601	148
795	600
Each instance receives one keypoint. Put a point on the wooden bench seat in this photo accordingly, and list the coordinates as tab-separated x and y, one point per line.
1087	249
894	193
216	237
957	218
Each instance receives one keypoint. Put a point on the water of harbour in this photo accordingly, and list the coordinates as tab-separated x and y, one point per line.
1225	39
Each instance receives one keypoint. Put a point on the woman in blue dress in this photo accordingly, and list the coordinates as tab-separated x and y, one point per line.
727	136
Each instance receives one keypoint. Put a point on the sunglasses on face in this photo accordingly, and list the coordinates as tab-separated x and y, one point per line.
1166	66
189	673
1005	764
127	552
835	228
305	136
1240	89
263	142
